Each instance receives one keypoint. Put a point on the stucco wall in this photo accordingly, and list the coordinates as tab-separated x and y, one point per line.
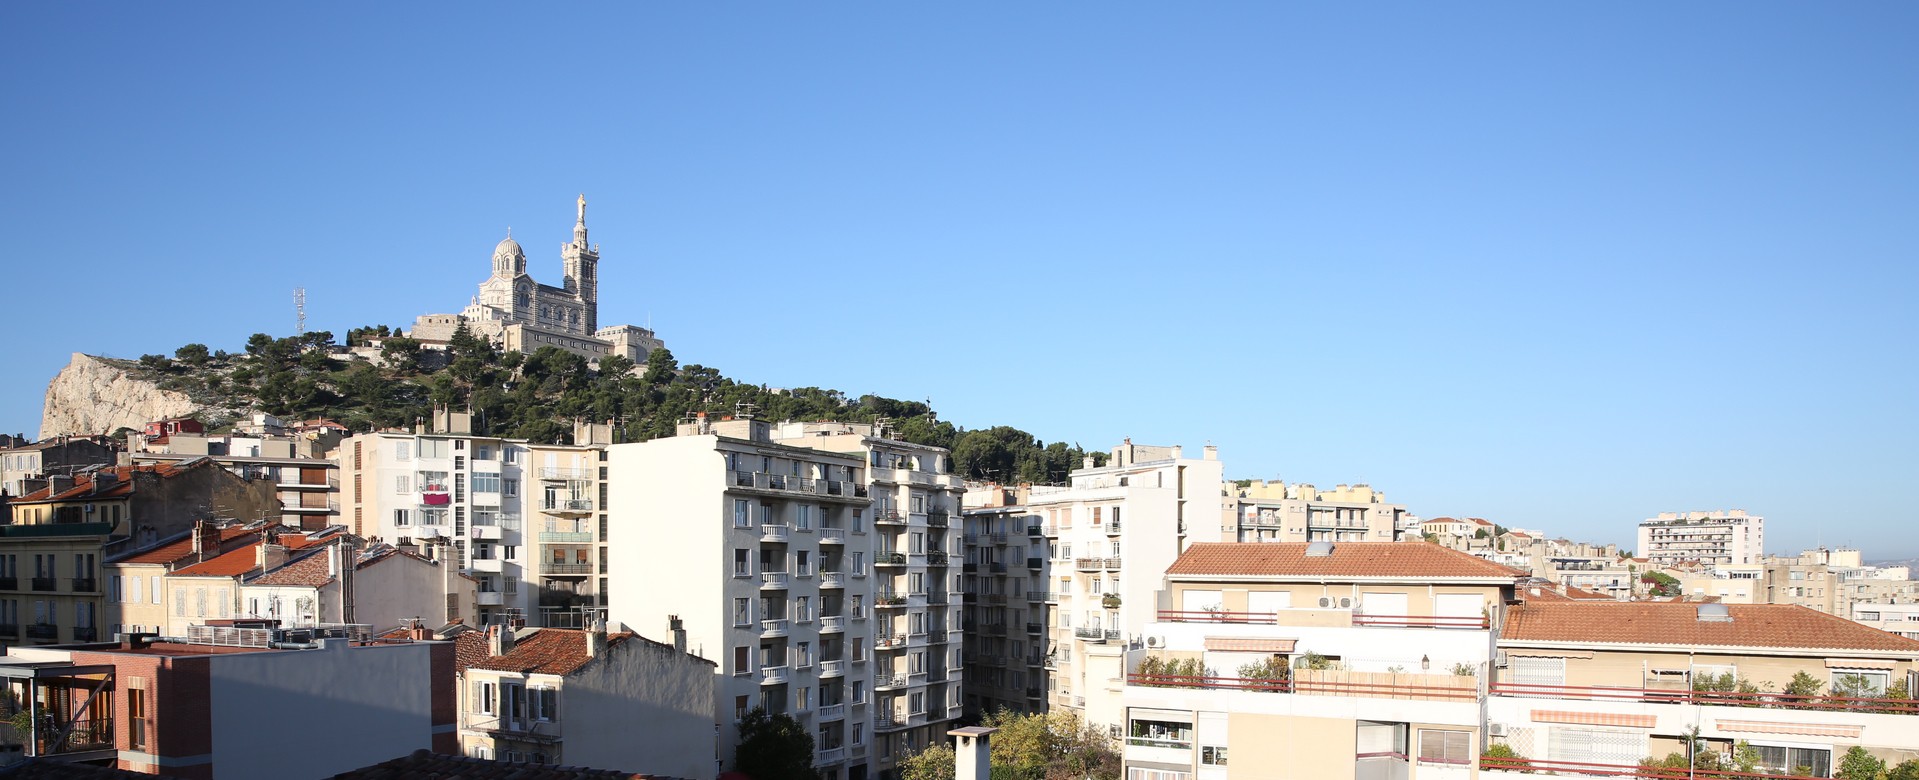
314	714
648	709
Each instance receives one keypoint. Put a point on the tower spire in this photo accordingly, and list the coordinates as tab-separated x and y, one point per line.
579	227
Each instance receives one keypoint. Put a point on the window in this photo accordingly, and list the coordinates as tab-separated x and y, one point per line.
803	655
859	608
113	593
916	703
1445	747
1860	683
742	513
742	566
1779	758
400	518
543	704
742	612
919	504
859	691
802	563
402	450
742	661
1209	754
484	698
482	452
1538	671
805	521
740	706
486	483
510	487
803	609
137	718
403	484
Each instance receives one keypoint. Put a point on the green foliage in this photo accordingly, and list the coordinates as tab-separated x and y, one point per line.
774	747
194	355
1464	670
1502	750
155	362
1663	584
1745	757
933	763
1156	666
1723	683
1906	770
1859	764
1272	668
1315	662
1803	685
1050	746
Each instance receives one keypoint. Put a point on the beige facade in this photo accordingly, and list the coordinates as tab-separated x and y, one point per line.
1281	512
1709	538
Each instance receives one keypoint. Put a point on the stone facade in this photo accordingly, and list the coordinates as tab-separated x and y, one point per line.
519	313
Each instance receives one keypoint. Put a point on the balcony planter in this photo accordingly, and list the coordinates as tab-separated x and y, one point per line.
1111	601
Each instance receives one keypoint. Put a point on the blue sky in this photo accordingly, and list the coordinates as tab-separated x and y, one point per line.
1559	266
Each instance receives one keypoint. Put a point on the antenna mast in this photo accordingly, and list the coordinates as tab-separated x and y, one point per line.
300	310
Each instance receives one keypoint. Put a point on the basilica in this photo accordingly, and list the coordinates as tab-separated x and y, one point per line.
518	313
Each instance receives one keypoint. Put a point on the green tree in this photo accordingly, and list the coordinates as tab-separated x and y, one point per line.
1860	765
1663	584
1803	684
1906	770
1510	758
774	747
194	355
1050	746
933	763
155	362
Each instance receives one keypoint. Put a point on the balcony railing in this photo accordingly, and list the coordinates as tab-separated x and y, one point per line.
832	579
997	567
566	568
832	668
1717	698
85	634
87	736
936	558
775	532
889	682
1035	529
1312	687
832	755
832	536
772	675
1423	621
1035	563
773	580
564	475
832	711
1216	616
47	584
568	505
889	641
43	631
888	517
1091	634
9	583
832	624
889	559
10	630
85	584
1037	596
770	629
1550	768
1112	528
571	537
937	518
1095	564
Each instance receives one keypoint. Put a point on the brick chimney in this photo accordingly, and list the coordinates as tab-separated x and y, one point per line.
206	540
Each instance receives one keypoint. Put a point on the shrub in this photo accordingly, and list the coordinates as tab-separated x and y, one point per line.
1501	750
1860	765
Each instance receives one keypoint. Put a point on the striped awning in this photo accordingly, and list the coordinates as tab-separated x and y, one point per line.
1793	729
1223	644
1533	652
1595	718
1861	663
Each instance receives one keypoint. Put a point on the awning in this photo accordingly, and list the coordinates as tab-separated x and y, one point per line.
1595	718
1223	644
1794	729
1861	663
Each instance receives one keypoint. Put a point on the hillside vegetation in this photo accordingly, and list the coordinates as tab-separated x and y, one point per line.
537	396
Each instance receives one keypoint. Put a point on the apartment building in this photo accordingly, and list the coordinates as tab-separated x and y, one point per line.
136	588
525	520
50	556
236	702
1710	538
1310	660
1895	618
816	562
350	582
62	455
1110	534
558	696
307	482
1281	512
1006	575
1593	687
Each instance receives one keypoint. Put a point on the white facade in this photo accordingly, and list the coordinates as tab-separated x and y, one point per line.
1715	537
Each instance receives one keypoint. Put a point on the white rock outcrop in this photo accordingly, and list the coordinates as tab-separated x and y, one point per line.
91	395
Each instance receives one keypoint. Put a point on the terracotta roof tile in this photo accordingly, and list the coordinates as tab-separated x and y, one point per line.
422	765
1348	559
246	558
1677	624
181	548
83	483
544	651
308	571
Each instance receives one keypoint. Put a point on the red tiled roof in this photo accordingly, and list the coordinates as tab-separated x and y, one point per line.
246	558
1348	559
422	765
544	651
181	548
1550	592
1677	624
83	483
310	571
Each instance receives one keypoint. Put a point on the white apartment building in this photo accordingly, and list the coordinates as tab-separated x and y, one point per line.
1281	512
523	519
1109	535
1320	660
1710	538
1901	619
815	562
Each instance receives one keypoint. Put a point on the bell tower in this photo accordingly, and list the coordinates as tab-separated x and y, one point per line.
582	261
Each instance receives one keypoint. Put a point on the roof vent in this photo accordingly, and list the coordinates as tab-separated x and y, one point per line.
1319	549
1714	613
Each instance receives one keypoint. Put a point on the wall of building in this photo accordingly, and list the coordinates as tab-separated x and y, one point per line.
645	709
316	713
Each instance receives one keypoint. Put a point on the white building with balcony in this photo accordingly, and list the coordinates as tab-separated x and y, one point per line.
560	696
1300	512
1710	538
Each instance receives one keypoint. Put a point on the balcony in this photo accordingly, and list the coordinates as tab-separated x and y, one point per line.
1096	564
888	723
487	565
10	630
550	474
773	629
1035	563
936	637
773	675
565	537
1715	698
832	669
1093	634
995	629
572	507
1035	530
832	579
1422	621
889	601
888	517
827	756
567	569
832	624
46	584
1034	628
773	580
937	599
1217	616
889	641
995	598
9	583
435	495
891	559
489	598
1035	694
832	711
43	631
999	539
85	634
832	536
1428	687
1112	528
1038	596
938	518
84	584
889	682
777	533
936	558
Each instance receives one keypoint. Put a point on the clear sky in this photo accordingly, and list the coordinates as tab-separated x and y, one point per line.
1561	266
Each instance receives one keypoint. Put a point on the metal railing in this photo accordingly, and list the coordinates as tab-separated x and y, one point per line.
1423	621
1782	701
1306	687
566	568
1589	769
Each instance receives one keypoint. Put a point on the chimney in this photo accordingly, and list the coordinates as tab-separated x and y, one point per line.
269	556
499	640
972	752
418	631
1211	452
104	480
596	638
678	629
58	483
206	540
1088	462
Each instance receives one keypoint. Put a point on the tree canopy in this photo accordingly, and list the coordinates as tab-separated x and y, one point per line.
774	747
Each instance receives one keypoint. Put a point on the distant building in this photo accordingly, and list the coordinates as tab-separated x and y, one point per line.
238	701
294	461
1299	512
1709	538
586	698
62	455
518	313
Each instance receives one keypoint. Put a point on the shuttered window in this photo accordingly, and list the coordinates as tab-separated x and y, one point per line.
1597	746
1538	671
1445	747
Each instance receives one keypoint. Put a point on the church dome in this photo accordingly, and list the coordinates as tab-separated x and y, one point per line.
509	248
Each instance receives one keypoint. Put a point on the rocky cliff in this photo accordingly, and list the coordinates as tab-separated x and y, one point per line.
100	395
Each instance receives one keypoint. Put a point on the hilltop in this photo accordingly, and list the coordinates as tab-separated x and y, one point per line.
381	380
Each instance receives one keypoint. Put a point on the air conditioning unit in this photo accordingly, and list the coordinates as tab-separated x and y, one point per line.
1496	729
1155	641
1325	602
1346	603
89	509
1499	660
